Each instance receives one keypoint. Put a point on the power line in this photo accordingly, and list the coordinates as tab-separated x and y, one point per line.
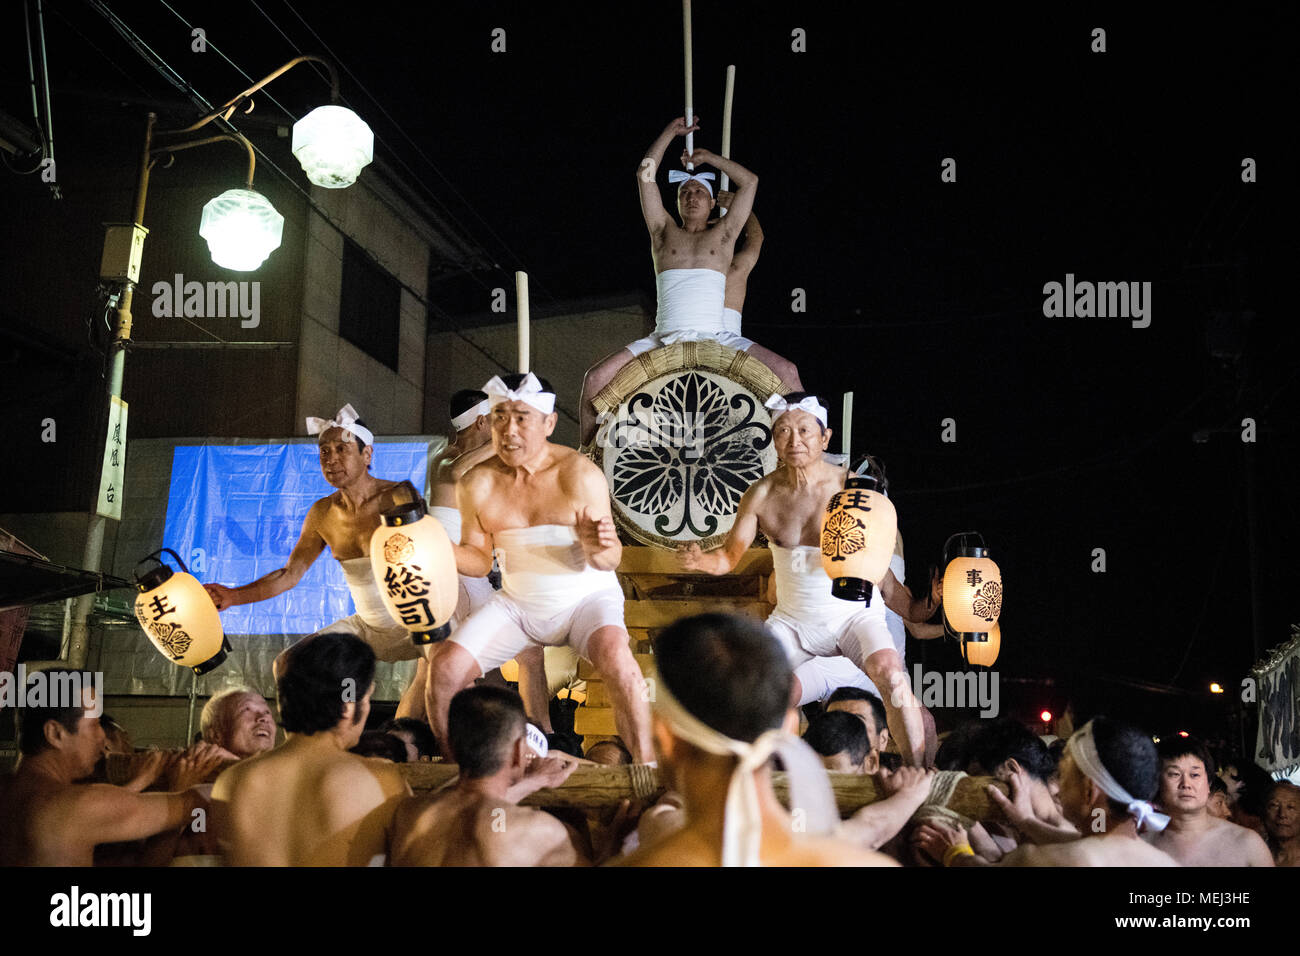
414	145
173	77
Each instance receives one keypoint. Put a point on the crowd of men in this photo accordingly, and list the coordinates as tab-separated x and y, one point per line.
722	722
725	711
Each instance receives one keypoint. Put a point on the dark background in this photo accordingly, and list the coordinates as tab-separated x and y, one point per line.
923	297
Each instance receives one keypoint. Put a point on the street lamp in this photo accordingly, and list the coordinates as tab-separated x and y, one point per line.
333	145
241	228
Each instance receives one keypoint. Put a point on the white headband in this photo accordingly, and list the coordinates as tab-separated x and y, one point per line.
780	406
470	415
346	420
529	392
682	176
536	740
1083	748
742	831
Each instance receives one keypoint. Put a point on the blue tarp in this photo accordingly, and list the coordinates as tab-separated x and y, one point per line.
234	513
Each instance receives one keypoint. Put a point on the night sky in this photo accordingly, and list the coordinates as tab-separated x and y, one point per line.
924	297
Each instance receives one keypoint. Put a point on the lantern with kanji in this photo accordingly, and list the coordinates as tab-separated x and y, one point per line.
984	653
415	569
972	589
858	532
178	616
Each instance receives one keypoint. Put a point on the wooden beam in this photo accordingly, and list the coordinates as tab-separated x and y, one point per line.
641	559
591	787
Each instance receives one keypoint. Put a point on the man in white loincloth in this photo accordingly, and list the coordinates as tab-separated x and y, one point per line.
544	509
344	521
787	506
691	263
472	445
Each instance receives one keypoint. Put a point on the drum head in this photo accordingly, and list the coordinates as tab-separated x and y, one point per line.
683	435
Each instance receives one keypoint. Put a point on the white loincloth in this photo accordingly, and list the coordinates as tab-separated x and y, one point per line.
371	622
809	622
549	596
690	310
822	676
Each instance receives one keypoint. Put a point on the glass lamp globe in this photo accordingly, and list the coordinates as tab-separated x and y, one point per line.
333	144
242	228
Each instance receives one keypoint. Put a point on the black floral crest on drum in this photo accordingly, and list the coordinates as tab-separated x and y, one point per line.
687	444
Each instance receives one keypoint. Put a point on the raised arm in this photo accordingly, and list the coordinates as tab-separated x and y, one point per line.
739	538
746	184
474	553
305	552
595	519
652	204
745	259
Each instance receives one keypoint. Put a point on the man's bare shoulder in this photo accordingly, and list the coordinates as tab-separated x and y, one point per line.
347	771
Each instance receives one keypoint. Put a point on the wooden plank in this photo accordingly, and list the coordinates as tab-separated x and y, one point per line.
590	787
648	560
597	696
666	612
594	720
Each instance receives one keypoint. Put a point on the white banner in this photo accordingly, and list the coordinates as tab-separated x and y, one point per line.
113	474
1277	746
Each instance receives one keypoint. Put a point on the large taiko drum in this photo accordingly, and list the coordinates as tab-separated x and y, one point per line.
683	434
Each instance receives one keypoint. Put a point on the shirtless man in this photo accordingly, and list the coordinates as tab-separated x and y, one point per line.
1194	837
1108	774
239	722
690	261
51	820
545	510
1282	822
478	822
721	694
733	300
470	422
787	506
345	522
309	802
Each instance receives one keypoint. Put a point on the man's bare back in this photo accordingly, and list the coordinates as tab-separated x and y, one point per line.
1217	843
307	803
691	847
454	828
1107	850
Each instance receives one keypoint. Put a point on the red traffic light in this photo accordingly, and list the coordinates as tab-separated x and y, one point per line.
1045	716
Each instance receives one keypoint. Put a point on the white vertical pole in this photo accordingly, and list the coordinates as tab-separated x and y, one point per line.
686	44
727	97
521	305
846	434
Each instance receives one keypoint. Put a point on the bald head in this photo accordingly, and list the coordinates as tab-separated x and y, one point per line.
240	721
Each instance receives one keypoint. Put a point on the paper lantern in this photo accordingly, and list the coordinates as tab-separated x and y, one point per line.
179	617
333	144
985	653
415	568
858	532
242	228
972	592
